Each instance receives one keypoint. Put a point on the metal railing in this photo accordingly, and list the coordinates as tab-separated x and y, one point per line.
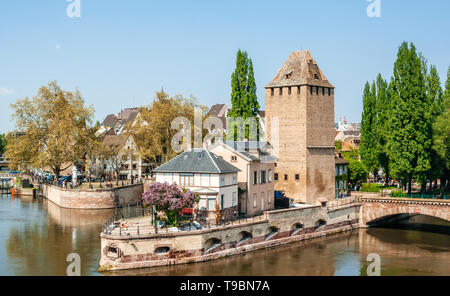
341	203
127	212
126	226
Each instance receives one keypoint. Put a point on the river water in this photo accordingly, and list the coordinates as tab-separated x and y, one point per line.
36	236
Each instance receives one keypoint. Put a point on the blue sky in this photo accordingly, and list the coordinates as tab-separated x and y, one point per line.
120	52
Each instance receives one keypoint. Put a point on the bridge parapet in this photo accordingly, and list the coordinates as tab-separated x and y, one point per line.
417	201
375	208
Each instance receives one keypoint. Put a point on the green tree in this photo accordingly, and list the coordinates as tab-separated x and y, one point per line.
383	109
3	143
368	148
441	128
358	172
435	102
51	130
244	102
409	138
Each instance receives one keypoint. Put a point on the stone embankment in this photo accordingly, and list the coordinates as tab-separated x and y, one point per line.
131	249
94	198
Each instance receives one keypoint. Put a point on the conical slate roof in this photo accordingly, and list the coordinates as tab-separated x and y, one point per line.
300	69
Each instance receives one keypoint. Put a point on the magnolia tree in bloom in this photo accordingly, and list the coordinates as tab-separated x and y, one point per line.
170	199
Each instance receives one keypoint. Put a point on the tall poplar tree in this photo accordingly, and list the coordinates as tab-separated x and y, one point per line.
244	102
435	99
383	109
368	148
441	129
408	140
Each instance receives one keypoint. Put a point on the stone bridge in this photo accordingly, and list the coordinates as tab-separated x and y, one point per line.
374	208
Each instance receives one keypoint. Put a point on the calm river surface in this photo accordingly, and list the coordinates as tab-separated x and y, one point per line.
36	236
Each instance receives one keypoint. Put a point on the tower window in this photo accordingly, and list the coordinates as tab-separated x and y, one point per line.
316	76
289	90
271	92
323	91
311	89
298	89
275	176
297	177
329	91
317	90
285	177
281	91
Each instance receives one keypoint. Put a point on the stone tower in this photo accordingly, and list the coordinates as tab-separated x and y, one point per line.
300	127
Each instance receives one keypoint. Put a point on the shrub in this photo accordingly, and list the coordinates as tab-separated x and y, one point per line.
170	199
370	187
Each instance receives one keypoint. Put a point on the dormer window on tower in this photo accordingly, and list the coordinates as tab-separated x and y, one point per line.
316	76
271	92
288	75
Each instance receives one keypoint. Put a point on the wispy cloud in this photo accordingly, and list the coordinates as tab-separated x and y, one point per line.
5	91
58	46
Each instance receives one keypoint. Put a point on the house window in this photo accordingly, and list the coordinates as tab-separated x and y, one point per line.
269	197
124	157
255	176
270	176
134	166
204	180
234	199
285	177
234	178
211	204
187	179
222	180
275	177
233	158
289	90
202	203
263	177
297	177
271	92
254	200
262	201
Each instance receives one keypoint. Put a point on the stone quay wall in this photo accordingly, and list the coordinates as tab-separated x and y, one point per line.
276	228
94	198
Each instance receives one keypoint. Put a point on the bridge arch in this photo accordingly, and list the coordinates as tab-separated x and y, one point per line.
377	210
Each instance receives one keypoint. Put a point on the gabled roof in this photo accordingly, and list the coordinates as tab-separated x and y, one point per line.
197	161
115	140
300	69
110	121
218	110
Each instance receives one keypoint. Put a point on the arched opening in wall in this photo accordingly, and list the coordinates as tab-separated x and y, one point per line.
162	250
211	244
297	228
271	232
244	237
113	252
319	225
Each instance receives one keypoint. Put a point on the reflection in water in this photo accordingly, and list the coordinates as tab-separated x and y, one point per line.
36	236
